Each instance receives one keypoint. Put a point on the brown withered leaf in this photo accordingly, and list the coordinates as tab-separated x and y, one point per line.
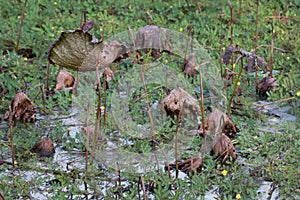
64	79
152	37
189	165
251	62
88	25
261	62
217	123
223	147
180	102
44	148
188	66
80	51
228	54
266	84
21	108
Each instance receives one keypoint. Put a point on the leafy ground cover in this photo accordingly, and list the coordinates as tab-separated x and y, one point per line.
267	146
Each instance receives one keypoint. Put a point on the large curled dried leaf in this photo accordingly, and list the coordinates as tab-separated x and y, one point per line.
223	147
44	148
180	102
64	79
80	51
21	109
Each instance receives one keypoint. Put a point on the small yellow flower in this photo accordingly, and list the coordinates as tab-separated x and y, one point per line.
55	3
224	172
166	61
102	107
15	162
298	94
238	196
181	29
101	29
295	15
233	66
52	28
238	83
19	17
25	59
287	58
223	48
255	137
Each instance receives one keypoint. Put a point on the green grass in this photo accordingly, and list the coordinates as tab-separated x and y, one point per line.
264	155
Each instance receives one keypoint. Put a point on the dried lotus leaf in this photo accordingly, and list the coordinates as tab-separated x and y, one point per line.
71	48
102	55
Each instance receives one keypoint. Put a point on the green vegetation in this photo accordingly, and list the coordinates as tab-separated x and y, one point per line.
267	147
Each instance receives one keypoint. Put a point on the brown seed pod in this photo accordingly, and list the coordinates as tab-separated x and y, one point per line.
44	148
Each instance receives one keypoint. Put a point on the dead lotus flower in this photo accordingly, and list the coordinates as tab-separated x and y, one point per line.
188	67
180	102
44	148
64	79
21	109
218	122
223	147
265	85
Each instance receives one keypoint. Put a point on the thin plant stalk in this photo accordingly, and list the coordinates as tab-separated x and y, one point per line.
43	97
87	142
274	102
148	106
202	111
231	22
21	25
231	35
143	187
104	99
166	82
235	85
47	79
165	156
256	39
98	115
11	123
220	60
176	145
272	49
